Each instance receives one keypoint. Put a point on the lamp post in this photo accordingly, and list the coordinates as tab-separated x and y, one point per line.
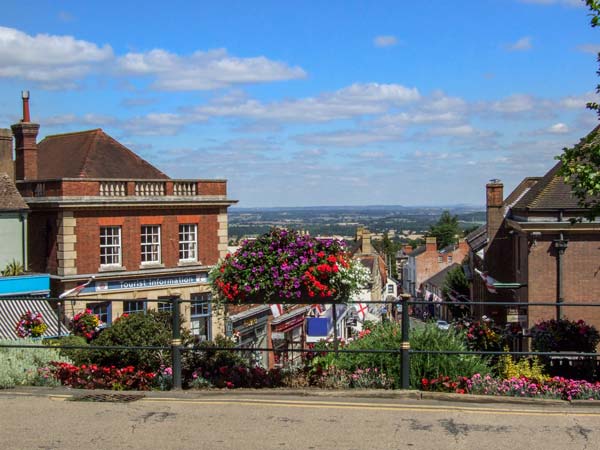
560	245
405	344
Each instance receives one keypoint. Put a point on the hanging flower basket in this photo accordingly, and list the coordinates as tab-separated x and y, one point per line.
31	324
284	266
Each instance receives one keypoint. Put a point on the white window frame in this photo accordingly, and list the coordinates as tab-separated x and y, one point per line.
150	245
112	259
201	311
188	244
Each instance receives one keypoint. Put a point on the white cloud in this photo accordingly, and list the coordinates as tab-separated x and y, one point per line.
353	101
515	103
155	124
385	41
589	48
204	70
371	155
558	128
521	45
49	59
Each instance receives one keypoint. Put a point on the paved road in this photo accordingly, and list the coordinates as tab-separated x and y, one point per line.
250	421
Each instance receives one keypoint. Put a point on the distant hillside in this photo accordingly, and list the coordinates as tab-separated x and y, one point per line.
343	220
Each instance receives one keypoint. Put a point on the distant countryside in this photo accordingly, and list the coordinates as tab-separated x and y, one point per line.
402	223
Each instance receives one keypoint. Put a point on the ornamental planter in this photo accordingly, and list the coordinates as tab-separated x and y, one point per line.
284	266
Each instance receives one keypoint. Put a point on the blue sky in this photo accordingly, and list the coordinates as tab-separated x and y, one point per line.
313	103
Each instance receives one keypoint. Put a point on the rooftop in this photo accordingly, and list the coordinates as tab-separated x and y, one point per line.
91	154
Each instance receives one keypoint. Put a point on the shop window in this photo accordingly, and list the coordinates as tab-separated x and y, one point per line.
165	305
201	316
134	307
188	242
150	239
110	246
102	310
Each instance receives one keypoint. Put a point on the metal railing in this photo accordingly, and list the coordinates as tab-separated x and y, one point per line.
176	346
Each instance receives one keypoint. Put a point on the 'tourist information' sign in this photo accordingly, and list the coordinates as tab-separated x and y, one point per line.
146	283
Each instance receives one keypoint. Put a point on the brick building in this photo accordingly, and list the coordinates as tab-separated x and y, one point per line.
426	261
99	210
536	253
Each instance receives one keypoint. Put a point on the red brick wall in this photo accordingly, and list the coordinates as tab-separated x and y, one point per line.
581	277
80	188
212	188
428	262
88	235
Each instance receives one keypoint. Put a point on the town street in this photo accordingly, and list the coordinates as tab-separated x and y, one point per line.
255	421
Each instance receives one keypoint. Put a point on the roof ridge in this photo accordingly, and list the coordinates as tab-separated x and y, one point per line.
546	182
135	155
89	145
73	133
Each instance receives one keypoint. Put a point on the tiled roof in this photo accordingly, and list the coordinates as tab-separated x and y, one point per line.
91	154
11	311
10	199
477	238
551	192
418	251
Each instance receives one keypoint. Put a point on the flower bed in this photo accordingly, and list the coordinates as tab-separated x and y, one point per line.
553	388
96	377
286	266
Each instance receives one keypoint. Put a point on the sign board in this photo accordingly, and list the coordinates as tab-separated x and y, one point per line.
516	318
146	283
277	336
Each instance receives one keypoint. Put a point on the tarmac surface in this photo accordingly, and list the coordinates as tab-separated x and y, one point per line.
60	418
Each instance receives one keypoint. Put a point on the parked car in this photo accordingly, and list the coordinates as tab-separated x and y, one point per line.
442	325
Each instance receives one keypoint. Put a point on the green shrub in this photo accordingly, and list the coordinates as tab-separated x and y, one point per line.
388	336
208	360
27	366
382	336
145	330
422	365
530	368
77	355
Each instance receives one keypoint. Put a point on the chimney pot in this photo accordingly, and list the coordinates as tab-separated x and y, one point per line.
25	97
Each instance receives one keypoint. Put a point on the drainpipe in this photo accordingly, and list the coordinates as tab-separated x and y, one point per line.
23	219
560	245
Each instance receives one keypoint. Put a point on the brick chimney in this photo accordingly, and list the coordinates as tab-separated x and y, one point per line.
7	164
407	249
366	247
431	244
26	166
494	207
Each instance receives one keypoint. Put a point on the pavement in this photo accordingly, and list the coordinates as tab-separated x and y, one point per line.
308	392
303	419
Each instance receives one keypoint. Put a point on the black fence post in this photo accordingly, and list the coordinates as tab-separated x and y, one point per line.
335	333
176	344
405	344
60	318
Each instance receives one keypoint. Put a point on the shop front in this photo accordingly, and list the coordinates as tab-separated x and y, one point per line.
249	328
287	335
110	296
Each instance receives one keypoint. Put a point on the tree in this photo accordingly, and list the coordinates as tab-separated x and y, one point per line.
445	230
581	164
456	284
